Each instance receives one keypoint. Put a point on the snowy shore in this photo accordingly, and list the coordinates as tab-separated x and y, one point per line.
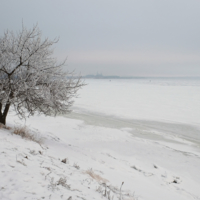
99	157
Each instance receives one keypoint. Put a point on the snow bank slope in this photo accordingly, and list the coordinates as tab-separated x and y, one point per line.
98	160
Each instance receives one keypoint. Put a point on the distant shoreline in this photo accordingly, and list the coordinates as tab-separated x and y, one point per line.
100	76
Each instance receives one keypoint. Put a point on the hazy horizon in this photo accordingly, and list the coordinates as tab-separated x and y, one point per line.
128	76
149	38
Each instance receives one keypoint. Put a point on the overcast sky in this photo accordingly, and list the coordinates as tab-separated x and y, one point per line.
115	37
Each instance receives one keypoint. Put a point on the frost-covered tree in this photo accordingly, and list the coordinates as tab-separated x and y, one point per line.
31	80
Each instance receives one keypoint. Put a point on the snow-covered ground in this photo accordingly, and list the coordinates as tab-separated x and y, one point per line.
154	158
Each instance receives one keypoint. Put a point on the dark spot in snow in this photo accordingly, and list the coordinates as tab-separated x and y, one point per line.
175	181
64	160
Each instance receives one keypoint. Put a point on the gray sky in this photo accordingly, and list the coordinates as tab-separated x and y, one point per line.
116	37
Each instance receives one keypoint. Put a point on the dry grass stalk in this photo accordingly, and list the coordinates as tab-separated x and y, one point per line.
96	177
4	126
25	133
76	166
21	162
63	181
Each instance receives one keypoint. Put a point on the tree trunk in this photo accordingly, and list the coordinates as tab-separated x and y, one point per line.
4	114
2	120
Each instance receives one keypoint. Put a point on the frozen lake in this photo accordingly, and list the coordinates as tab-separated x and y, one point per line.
166	100
171	106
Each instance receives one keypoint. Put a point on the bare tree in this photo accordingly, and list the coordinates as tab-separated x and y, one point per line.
30	79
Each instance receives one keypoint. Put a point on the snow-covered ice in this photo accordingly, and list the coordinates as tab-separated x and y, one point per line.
171	100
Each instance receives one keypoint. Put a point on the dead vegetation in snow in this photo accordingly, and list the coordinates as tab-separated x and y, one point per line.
95	176
25	133
4	126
